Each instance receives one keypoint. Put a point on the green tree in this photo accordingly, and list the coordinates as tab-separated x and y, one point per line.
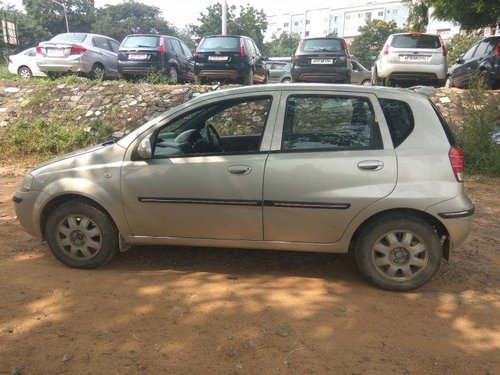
469	14
130	17
368	44
50	15
249	22
284	45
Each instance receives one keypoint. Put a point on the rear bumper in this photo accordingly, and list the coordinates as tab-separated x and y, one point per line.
138	67
321	74
230	71
406	72
75	65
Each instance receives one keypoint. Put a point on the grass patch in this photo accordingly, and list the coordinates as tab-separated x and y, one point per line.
43	139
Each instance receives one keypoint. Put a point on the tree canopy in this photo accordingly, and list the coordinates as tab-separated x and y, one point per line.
283	45
469	14
368	44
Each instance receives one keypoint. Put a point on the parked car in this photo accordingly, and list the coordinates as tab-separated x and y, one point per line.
306	167
229	58
279	71
360	75
411	57
483	59
24	64
142	54
321	60
89	54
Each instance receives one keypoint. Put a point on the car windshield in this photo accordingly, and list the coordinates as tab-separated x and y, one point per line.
69	38
219	43
322	45
415	41
141	41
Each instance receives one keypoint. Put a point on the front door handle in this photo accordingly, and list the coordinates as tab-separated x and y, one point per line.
240	169
370	165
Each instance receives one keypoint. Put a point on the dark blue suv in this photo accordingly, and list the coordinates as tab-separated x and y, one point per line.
482	58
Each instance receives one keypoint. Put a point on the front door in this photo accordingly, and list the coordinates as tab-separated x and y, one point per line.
205	179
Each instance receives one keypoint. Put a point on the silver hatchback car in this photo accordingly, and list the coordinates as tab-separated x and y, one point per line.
308	167
94	55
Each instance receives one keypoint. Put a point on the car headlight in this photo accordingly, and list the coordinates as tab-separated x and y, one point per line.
27	182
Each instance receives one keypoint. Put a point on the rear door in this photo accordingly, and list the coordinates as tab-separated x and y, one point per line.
107	56
329	161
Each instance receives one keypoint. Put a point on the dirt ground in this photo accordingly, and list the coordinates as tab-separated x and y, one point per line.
208	311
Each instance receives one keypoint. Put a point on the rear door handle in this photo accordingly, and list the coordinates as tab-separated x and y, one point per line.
370	165
240	169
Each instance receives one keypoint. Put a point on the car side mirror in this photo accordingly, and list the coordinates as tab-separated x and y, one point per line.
144	150
460	59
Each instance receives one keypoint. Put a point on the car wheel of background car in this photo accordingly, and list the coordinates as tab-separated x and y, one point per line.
24	73
375	78
448	83
483	80
97	72
366	82
398	253
248	78
286	80
173	76
81	235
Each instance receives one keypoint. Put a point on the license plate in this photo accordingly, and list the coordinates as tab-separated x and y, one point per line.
322	61
138	57
413	58
217	58
55	52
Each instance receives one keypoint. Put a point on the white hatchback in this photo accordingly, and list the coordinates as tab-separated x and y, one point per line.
24	64
411	57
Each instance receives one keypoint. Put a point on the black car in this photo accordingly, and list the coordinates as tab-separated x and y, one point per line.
483	58
229	58
141	54
321	60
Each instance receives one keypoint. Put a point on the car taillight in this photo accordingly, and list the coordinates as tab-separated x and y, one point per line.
77	50
387	45
9	60
443	48
243	49
498	49
162	46
457	162
38	50
299	47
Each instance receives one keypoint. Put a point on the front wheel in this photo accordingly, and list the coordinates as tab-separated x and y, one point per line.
24	73
97	72
81	235
173	76
398	253
448	83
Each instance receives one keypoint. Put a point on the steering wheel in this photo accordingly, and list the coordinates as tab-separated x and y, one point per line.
213	138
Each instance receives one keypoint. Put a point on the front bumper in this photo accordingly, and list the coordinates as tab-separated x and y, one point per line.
28	208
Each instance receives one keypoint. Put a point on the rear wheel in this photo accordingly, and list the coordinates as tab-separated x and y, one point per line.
24	73
376	81
286	80
97	72
484	81
398	252
248	78
449	82
366	82
173	76
81	235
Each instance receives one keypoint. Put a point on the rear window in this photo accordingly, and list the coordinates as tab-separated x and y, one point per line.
399	119
69	38
415	41
141	41
220	44
322	45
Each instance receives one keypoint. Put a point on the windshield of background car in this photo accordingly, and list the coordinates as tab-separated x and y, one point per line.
415	41
322	45
219	44
69	38
141	41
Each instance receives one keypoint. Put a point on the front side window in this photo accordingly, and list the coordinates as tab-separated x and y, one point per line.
329	123
228	127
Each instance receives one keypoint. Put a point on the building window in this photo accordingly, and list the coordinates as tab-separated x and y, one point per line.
307	33
286	24
296	23
360	15
348	17
368	16
325	20
308	22
395	11
381	13
335	19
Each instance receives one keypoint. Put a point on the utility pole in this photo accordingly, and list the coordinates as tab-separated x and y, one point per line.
224	17
65	14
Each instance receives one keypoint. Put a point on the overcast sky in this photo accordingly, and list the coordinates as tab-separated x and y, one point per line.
181	13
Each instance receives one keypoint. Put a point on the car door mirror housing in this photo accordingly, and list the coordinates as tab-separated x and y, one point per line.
144	150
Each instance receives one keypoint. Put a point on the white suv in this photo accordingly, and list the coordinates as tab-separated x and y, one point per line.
411	57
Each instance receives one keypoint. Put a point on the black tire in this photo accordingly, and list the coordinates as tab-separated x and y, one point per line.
97	72
24	73
398	252
375	78
199	80
248	78
81	235
366	82
448	83
173	76
286	80
484	81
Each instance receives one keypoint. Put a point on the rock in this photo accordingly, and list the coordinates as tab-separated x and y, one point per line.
61	86
239	366
132	103
89	113
3	110
231	277
12	90
97	113
445	99
255	344
68	357
283	330
15	371
231	353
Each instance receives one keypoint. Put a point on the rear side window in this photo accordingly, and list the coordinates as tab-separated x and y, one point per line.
101	43
415	41
220	43
316	123
322	45
141	41
399	118
69	38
